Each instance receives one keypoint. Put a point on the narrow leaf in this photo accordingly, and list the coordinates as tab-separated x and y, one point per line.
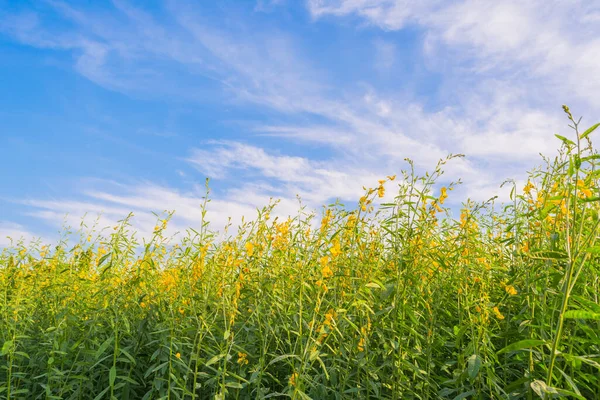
465	395
565	140
589	130
473	365
112	374
6	347
523	344
582	314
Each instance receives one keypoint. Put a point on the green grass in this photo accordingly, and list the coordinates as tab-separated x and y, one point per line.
397	301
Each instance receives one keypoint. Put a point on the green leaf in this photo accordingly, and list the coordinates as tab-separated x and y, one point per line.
592	157
541	389
465	395
103	347
6	347
568	393
473	365
445	392
129	356
103	259
283	357
582	314
577	161
589	199
570	381
589	130
159	366
112	374
587	303
522	344
214	359
548	255
313	355
102	393
565	140
128	379
22	354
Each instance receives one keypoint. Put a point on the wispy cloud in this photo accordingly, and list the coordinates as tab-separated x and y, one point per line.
315	181
11	233
556	41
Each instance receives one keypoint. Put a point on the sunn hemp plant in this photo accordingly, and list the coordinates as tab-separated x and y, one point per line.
397	300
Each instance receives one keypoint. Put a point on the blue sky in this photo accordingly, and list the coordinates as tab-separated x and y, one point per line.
111	107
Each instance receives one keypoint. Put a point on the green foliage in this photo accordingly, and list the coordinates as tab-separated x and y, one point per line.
398	301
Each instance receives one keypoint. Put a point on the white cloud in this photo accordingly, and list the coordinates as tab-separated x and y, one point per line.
11	233
316	182
557	41
319	134
233	155
104	208
389	14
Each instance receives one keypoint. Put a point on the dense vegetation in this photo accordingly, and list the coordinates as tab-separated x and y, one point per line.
394	301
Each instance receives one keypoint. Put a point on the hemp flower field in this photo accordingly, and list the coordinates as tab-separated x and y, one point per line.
399	300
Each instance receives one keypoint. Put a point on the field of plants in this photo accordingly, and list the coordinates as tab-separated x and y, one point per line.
401	300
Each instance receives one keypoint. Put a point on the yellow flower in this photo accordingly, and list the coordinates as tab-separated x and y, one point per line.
528	187
329	317
326	219
510	290
249	249
242	358
169	280
464	217
292	380
178	356
498	313
381	191
322	337
443	195
361	344
582	189
326	271
336	249
392	177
